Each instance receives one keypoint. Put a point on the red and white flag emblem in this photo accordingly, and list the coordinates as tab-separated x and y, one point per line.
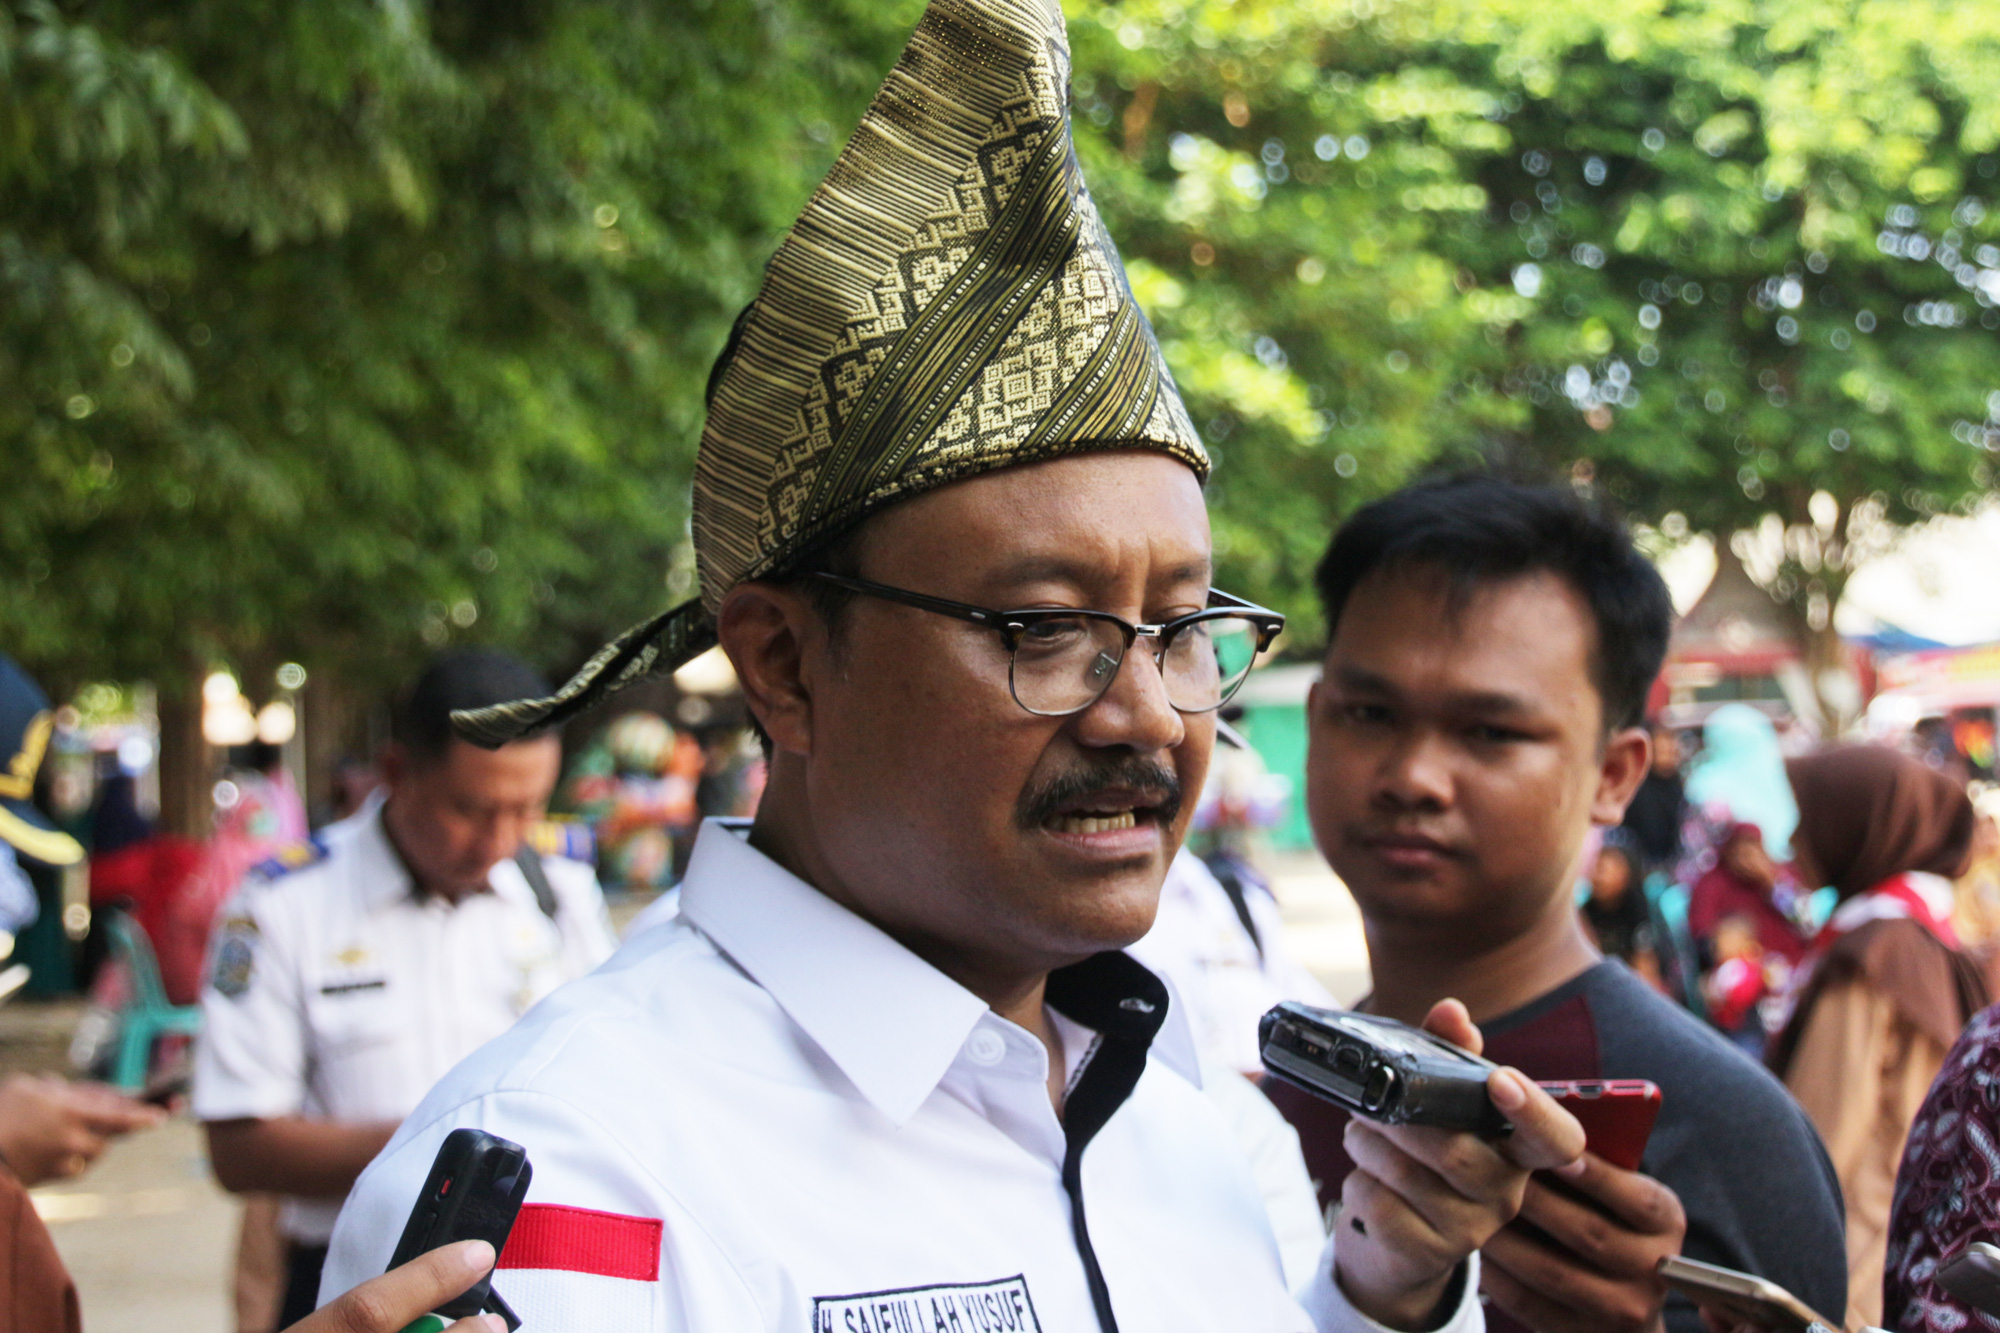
567	1268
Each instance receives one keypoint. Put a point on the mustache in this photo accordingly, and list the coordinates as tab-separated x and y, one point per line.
1131	773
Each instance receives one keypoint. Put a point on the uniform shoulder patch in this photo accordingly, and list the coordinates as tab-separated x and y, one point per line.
292	856
235	961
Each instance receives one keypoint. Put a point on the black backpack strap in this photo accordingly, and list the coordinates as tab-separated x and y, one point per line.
530	862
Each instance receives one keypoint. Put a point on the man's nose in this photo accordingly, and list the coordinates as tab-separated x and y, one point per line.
500	837
1134	712
1416	774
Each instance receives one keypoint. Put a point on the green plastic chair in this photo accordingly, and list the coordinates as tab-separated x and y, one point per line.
147	1014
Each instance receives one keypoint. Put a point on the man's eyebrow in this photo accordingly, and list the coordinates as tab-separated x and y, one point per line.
1056	567
1483	703
1491	703
1360	678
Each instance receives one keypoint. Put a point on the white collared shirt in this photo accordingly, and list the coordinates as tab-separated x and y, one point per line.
334	992
1227	977
769	1115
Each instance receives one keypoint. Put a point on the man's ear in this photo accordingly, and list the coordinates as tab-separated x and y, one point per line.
393	764
1628	754
764	629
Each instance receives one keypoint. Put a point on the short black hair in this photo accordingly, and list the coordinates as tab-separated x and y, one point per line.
1480	530
462	678
839	554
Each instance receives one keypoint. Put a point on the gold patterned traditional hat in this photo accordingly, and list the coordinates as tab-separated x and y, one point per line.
948	304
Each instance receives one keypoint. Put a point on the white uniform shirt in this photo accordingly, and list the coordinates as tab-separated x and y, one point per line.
335	992
769	1115
1199	944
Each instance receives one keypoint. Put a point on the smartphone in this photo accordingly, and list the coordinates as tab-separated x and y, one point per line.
1379	1069
474	1192
163	1090
1617	1114
1972	1276
1741	1296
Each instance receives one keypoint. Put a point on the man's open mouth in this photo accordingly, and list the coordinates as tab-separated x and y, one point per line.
1114	798
1111	810
1105	821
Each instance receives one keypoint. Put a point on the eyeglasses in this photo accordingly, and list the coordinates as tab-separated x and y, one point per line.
1061	661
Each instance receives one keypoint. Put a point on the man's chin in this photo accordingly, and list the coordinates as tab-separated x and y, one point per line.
1411	898
1107	911
460	888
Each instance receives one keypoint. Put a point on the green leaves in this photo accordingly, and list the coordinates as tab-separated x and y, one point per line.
336	332
1710	259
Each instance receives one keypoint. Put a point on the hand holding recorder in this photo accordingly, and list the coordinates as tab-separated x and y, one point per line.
1422	1196
1584	1251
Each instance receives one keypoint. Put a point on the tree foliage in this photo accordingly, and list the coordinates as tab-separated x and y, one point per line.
336	330
331	331
1714	259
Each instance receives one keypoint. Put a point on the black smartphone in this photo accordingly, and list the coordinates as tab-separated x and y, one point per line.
474	1192
1378	1068
163	1090
1972	1276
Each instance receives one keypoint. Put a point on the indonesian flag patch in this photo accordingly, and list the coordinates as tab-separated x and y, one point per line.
576	1268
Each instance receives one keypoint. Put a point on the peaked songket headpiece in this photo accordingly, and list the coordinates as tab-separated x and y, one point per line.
948	304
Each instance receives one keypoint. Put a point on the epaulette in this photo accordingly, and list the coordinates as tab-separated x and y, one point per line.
292	856
564	836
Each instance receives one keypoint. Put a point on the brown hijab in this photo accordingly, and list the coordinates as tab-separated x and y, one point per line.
1868	813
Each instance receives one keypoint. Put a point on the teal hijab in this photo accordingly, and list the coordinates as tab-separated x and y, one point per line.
1742	770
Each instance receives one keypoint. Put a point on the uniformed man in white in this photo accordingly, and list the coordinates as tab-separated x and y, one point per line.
350	973
888	1070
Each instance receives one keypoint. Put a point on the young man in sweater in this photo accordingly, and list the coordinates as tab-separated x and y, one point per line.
1490	651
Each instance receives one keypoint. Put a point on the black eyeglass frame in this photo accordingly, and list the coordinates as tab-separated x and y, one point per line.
1012	625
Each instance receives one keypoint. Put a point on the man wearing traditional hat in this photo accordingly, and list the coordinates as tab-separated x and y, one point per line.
888	1070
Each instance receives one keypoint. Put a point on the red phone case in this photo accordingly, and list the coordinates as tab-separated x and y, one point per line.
1617	1114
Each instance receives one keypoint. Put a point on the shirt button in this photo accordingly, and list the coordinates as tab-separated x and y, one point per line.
986	1047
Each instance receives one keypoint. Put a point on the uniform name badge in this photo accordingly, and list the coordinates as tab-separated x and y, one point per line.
999	1306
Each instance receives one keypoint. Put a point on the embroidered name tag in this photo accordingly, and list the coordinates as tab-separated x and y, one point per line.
349	987
1000	1306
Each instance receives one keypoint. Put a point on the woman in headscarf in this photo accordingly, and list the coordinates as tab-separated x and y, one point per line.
1745	882
1739	778
1886	990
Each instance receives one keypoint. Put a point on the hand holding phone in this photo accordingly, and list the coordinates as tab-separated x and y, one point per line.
1584	1253
1421	1199
474	1191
